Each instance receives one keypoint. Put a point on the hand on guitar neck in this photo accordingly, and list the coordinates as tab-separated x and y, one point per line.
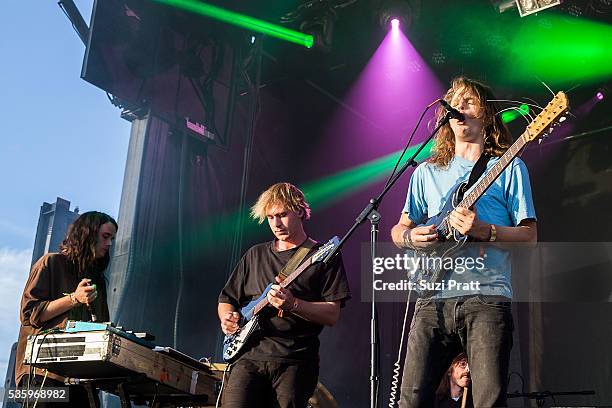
281	298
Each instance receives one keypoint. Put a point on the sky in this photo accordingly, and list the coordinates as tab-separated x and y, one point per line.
59	137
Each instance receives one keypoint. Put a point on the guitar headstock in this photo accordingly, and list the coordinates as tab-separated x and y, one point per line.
550	116
326	249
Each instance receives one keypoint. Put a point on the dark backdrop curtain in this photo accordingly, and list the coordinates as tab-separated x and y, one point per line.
184	221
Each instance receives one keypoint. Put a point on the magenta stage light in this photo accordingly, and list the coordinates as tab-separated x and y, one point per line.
395	24
599	95
378	113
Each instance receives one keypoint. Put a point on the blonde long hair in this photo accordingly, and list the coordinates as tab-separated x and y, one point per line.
285	194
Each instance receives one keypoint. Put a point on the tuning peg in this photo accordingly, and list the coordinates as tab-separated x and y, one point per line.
562	119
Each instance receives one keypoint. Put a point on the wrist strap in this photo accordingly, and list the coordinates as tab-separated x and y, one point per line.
296	303
493	236
408	239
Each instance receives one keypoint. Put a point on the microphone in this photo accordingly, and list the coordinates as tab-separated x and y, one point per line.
90	309
93	316
452	112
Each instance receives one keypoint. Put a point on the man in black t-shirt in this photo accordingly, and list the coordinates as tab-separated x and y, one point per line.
280	367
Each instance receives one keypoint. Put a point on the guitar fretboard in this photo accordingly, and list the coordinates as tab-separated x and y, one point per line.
264	302
482	186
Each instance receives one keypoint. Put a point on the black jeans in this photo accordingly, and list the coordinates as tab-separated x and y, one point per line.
441	329
268	384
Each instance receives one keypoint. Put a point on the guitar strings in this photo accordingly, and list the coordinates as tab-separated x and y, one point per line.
551	91
572	88
525	115
518	103
547	87
534	101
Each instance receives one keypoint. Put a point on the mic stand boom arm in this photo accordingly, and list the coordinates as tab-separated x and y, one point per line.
370	212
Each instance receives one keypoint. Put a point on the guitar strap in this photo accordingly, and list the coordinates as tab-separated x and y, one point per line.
479	167
477	171
297	258
295	261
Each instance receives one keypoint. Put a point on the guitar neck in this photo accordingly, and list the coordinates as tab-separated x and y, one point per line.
470	199
542	124
264	302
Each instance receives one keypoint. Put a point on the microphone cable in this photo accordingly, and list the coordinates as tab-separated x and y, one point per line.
399	160
397	366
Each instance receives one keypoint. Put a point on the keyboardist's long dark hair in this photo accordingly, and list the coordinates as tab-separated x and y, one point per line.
80	242
497	137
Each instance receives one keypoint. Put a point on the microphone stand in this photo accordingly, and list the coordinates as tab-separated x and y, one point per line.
370	212
540	396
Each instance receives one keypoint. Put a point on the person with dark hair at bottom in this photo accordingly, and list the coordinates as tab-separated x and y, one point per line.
453	391
63	286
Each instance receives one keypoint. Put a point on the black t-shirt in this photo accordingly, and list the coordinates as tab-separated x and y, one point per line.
448	402
288	338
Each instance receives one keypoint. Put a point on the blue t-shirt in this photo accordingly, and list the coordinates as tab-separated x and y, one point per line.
506	202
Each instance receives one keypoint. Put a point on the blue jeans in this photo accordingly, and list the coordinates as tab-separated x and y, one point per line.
441	329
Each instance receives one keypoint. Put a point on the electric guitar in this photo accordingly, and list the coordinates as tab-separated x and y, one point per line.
235	344
449	239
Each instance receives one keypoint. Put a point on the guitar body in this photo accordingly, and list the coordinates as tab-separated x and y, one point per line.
443	229
233	345
449	241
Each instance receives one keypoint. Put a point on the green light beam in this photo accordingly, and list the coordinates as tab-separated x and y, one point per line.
561	52
324	192
510	115
241	20
319	193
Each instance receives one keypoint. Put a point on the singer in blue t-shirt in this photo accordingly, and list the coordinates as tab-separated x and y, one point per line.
474	318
